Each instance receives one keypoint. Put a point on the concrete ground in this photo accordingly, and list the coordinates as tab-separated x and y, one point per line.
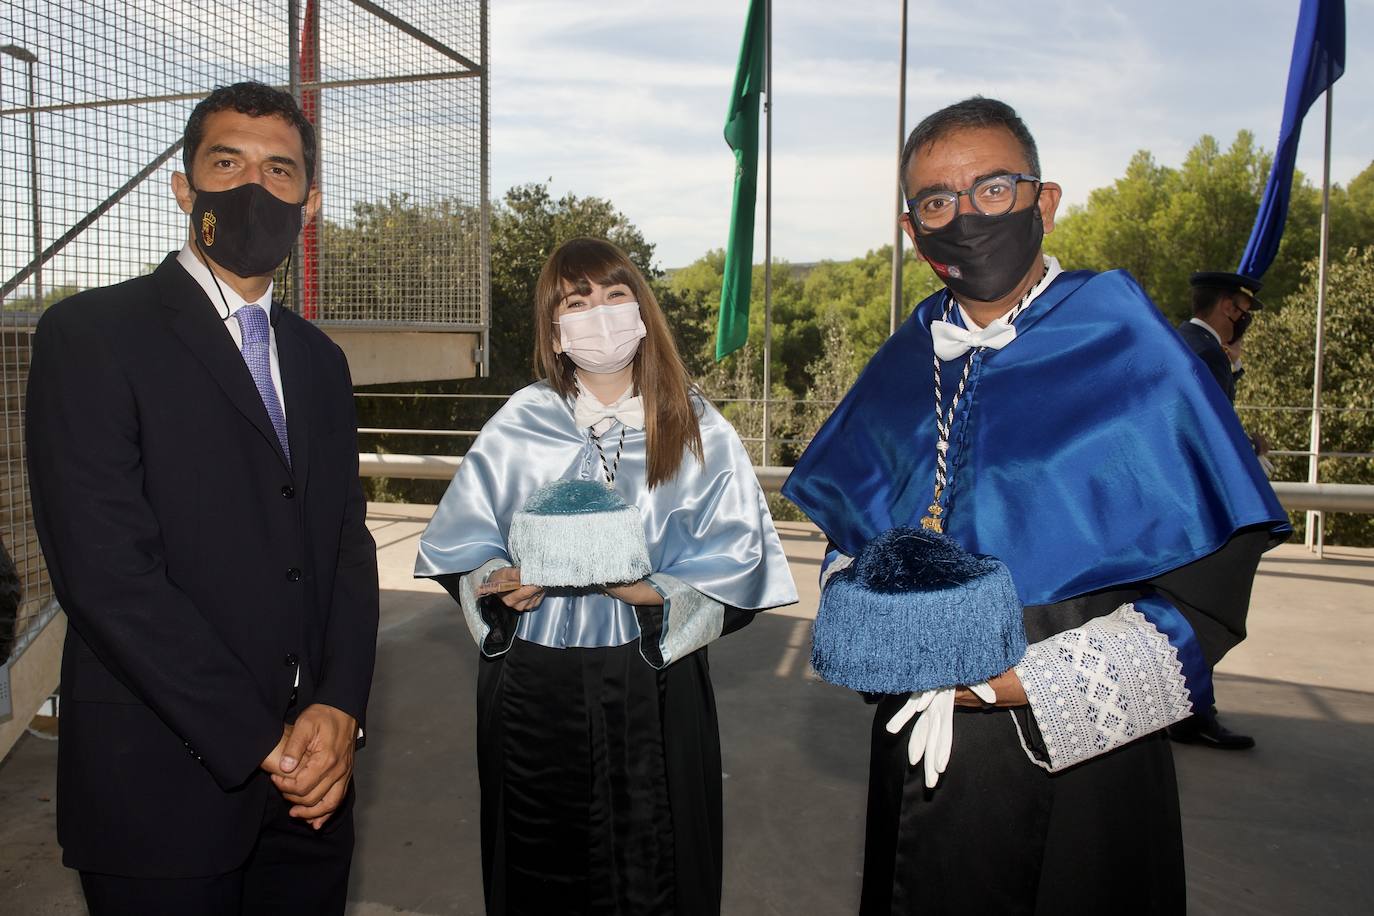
1283	829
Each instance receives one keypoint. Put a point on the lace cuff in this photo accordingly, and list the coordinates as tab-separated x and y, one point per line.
492	636
687	621
1098	686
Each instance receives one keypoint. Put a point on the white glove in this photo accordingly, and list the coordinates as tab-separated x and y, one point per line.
932	738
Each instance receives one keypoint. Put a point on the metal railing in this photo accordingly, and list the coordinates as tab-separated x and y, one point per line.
770	440
720	401
1293	496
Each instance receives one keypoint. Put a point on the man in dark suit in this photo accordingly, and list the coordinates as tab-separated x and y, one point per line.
1223	307
193	460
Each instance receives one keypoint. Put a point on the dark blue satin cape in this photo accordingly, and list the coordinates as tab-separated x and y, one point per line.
1094	450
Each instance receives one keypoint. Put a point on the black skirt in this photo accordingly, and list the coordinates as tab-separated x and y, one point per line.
601	783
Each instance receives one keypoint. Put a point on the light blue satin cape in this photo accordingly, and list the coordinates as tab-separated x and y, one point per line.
708	527
1094	450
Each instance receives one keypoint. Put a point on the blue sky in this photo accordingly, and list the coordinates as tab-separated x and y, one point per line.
625	99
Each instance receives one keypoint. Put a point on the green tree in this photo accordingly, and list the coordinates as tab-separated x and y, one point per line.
1162	223
1352	211
831	374
692	304
525	229
858	293
401	253
1279	352
26	304
1116	228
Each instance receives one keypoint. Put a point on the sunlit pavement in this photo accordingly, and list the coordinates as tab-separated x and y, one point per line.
1286	828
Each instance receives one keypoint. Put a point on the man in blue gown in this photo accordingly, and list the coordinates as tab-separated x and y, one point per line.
1076	439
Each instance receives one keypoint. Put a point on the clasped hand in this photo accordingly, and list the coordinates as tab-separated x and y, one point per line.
932	737
506	583
313	762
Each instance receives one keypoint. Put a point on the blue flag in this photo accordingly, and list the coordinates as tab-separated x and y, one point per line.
1318	61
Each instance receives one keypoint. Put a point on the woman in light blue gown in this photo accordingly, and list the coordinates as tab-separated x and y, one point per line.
598	746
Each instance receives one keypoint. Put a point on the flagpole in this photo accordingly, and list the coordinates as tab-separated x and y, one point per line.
767	225
1315	443
896	315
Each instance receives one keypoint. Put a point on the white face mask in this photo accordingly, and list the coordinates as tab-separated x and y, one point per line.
602	339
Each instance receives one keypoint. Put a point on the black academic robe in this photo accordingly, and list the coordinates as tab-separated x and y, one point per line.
609	803
999	834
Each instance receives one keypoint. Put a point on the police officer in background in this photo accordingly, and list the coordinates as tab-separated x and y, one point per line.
1223	307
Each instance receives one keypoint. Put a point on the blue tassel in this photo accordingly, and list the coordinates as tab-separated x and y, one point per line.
573	497
578	533
916	611
912	559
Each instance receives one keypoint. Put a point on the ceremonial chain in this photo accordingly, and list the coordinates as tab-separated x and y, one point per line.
944	421
611	468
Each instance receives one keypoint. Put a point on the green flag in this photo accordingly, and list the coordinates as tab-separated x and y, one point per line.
742	134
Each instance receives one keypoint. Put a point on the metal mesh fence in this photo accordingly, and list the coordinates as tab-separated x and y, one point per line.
93	100
404	164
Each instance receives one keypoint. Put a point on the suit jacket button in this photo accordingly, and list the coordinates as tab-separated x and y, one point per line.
288	491
293	575
291	660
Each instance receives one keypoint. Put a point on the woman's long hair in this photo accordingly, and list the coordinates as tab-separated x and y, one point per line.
660	378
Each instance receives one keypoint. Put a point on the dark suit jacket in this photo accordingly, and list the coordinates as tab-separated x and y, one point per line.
1211	353
195	567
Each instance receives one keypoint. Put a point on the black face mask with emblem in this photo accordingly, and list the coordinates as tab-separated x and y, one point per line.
247	230
983	257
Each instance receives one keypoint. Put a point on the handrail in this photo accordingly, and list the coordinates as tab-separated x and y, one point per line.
1295	497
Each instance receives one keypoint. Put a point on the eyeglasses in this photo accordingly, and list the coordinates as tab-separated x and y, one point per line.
991	196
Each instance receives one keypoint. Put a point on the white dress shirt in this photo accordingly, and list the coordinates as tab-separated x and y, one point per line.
221	297
1210	330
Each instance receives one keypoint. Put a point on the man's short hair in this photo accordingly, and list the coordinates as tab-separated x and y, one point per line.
1205	299
257	100
970	114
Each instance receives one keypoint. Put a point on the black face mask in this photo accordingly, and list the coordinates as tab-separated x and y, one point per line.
1239	325
984	257
247	230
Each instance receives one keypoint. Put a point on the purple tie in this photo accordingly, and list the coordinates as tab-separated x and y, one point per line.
257	354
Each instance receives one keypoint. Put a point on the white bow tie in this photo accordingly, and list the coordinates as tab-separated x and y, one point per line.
952	341
630	412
